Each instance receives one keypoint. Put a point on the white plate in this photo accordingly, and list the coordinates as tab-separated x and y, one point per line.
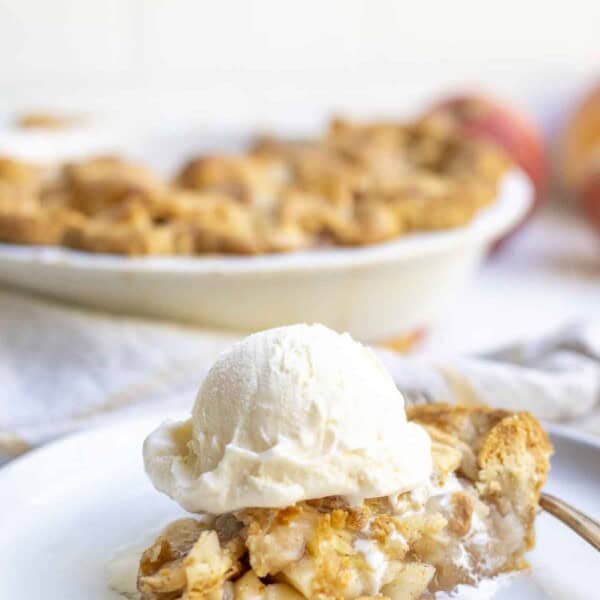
67	508
376	292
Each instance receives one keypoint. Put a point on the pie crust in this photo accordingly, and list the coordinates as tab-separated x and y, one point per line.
356	184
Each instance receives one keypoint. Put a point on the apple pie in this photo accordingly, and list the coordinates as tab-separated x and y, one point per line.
356	184
473	520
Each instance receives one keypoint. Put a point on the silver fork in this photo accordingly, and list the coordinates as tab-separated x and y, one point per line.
581	524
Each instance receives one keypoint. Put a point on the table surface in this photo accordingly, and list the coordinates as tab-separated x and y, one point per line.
546	277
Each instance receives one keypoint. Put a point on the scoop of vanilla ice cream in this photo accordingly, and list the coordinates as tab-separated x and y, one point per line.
290	414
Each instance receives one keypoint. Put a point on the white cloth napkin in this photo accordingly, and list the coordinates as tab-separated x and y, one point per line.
63	368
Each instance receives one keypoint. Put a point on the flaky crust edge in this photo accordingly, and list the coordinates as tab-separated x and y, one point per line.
512	452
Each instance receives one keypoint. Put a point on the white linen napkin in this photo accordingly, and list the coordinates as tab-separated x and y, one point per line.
63	368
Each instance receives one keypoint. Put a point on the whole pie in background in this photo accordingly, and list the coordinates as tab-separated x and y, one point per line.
356	184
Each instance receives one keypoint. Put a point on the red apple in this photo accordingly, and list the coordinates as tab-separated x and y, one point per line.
589	194
581	142
581	155
489	119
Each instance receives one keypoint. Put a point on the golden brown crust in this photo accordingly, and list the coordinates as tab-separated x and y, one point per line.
47	120
356	184
498	436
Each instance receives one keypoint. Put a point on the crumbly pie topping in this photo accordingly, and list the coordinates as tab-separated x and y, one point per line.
356	184
473	520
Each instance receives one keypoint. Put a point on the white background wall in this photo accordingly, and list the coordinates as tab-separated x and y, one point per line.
278	61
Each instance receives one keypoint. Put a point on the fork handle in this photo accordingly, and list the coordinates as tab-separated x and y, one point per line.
581	524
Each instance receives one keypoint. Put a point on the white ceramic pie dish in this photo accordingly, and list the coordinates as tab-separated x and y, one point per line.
376	292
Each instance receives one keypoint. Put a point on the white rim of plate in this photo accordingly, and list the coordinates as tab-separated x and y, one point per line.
513	202
567	432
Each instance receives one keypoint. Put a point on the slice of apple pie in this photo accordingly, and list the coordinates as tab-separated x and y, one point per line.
473	520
